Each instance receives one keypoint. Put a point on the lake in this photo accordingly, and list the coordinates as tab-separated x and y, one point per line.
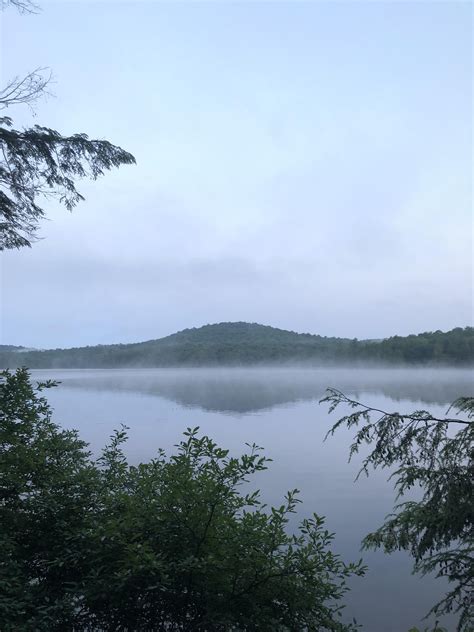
277	409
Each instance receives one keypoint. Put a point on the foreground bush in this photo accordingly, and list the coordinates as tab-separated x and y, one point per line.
173	544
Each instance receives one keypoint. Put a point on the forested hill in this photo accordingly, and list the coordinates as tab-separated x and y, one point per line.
253	344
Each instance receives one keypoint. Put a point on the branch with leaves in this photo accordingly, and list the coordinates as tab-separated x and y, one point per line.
434	455
40	162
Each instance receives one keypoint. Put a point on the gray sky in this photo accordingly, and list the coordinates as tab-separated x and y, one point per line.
302	165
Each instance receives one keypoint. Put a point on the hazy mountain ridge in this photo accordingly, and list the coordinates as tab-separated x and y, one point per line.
240	332
243	344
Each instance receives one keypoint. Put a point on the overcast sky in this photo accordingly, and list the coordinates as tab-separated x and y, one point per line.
302	165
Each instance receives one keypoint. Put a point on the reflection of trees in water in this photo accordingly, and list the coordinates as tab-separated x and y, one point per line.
245	391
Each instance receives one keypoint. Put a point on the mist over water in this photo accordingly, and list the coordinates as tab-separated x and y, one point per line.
277	409
247	390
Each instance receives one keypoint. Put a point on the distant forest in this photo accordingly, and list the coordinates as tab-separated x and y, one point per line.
240	344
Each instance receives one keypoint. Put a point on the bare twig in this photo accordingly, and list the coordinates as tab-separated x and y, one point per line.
26	90
23	6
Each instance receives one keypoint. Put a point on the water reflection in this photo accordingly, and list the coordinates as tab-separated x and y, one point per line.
252	390
276	408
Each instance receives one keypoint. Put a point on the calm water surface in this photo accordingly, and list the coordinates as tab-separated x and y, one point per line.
277	409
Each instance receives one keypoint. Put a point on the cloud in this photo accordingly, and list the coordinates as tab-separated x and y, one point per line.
322	186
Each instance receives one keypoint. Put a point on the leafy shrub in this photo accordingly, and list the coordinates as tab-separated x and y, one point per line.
173	544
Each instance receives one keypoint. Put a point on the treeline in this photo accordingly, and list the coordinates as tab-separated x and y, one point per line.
253	344
451	347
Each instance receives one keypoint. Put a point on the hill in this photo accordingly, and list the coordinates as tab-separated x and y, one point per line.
252	344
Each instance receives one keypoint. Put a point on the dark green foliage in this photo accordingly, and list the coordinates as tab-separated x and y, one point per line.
178	543
39	162
252	344
434	456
